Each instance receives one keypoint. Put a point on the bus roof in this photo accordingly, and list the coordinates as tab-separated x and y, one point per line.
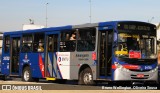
69	27
38	30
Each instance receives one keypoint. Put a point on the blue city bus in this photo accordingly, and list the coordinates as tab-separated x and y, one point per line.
108	51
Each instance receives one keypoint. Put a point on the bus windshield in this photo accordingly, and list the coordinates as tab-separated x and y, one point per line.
136	46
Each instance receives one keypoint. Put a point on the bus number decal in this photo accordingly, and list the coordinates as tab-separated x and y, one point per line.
6	58
148	67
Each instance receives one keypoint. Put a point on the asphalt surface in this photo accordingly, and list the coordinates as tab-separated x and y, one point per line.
48	85
17	84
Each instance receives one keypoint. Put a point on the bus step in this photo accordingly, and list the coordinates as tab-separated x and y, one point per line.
48	78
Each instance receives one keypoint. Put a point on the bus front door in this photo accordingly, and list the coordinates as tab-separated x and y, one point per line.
50	62
15	51
105	53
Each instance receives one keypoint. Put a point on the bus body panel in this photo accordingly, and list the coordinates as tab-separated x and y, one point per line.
52	65
79	59
5	67
63	62
35	62
69	64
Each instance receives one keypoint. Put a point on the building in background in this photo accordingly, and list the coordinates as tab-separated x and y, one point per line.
32	26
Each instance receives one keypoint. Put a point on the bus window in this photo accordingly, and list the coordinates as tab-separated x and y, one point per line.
38	45
7	44
52	45
86	40
68	41
27	43
143	45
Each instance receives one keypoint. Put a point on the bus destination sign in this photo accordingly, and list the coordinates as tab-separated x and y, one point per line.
135	26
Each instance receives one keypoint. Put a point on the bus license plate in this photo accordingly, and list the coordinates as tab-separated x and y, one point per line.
140	75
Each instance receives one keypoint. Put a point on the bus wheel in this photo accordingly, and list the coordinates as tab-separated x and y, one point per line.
27	75
86	77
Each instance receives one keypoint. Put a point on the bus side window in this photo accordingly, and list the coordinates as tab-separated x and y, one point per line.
38	45
86	41
52	43
27	43
68	41
7	44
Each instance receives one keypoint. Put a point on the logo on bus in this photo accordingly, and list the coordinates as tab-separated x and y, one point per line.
59	59
63	59
26	60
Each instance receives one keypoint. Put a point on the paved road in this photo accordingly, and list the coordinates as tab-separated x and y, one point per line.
16	83
47	85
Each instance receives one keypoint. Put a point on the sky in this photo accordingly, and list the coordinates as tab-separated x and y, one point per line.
15	13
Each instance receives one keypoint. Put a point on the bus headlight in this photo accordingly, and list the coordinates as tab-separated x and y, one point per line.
154	70
119	66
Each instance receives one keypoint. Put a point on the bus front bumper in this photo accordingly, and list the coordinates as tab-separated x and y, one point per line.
120	75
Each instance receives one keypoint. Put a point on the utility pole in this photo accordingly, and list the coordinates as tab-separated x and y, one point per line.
90	16
149	21
46	14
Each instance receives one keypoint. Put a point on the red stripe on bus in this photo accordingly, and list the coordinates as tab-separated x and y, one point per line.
131	66
128	66
41	65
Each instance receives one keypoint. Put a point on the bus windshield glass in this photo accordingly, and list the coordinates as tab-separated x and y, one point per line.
138	46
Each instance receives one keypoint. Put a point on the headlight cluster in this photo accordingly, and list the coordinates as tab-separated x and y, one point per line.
118	66
154	70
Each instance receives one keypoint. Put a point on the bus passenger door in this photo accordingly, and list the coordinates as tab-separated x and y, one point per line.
50	60
15	51
105	52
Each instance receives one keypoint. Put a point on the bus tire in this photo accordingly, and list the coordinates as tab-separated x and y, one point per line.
86	77
26	76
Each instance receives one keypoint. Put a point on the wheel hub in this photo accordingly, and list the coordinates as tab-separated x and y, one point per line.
26	75
87	78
